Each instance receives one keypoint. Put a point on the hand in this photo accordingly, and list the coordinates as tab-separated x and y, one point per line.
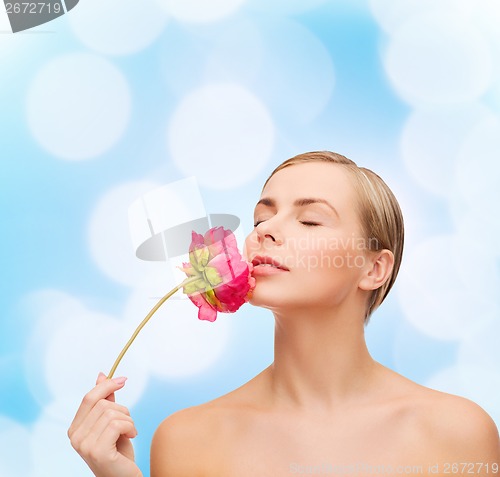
102	429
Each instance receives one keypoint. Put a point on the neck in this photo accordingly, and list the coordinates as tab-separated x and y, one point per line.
321	360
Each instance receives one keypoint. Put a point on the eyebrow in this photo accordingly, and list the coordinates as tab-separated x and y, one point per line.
267	201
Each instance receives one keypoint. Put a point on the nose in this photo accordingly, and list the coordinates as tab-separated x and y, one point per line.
261	238
267	230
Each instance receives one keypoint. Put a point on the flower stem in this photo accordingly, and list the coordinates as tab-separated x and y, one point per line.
143	322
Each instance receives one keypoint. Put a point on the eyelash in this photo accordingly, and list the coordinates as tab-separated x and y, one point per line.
307	224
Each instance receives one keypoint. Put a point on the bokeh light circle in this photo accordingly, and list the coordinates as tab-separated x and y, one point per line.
438	59
285	7
297	75
434	295
85	345
52	452
475	229
236	53
175	343
200	11
109	234
15	449
96	25
481	349
69	345
48	309
222	134
431	142
486	15
390	14
478	170
78	106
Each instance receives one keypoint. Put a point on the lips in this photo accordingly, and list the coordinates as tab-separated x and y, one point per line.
267	262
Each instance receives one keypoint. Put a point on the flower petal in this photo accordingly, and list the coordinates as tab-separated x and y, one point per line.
196	241
205	310
225	279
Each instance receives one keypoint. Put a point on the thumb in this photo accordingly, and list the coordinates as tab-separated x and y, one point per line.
101	377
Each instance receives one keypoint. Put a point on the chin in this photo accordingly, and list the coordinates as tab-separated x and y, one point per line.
271	300
263	299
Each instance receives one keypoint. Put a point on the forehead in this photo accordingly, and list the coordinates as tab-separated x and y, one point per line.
315	179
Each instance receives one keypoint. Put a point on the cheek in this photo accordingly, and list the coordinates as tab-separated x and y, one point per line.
329	277
330	265
322	258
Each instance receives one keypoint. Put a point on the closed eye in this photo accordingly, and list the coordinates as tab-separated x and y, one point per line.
307	224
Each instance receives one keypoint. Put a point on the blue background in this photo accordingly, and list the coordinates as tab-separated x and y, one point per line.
109	102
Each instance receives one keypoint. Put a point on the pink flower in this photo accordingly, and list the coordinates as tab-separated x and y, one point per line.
225	279
218	279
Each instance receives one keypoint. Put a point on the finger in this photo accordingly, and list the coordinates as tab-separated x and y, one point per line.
107	419
96	420
117	428
110	435
102	408
103	390
101	378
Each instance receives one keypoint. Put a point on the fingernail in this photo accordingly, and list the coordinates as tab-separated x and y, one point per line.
120	380
100	374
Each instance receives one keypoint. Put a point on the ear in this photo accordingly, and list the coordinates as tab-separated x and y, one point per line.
379	266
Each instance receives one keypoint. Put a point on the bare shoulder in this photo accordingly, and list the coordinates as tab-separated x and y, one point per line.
466	425
189	441
440	426
458	429
182	442
174	443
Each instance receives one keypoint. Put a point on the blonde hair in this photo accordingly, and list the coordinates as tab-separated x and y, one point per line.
379	213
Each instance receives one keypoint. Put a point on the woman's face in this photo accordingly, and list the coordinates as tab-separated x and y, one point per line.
306	221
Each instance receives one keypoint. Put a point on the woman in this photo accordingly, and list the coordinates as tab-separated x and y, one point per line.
326	249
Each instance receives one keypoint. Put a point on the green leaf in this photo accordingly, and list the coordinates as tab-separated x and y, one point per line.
212	276
199	258
196	286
